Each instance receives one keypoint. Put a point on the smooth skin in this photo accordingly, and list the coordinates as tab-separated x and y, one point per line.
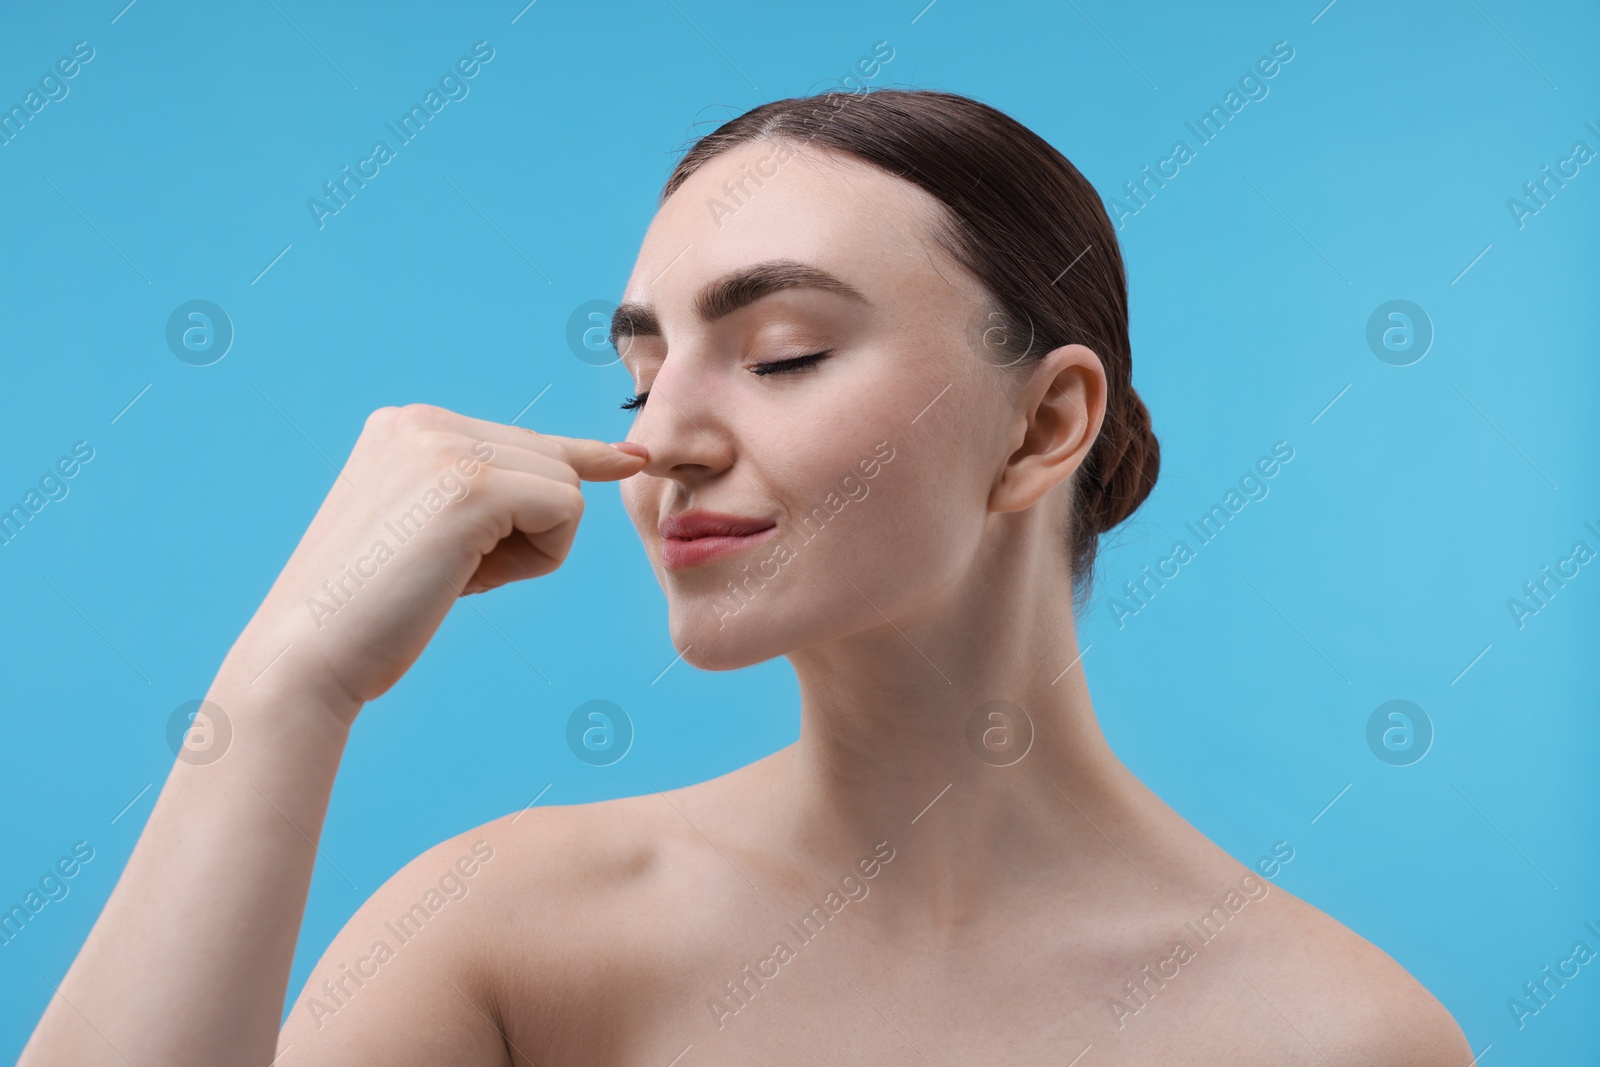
980	914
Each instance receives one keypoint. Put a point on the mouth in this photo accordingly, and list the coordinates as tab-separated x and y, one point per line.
698	537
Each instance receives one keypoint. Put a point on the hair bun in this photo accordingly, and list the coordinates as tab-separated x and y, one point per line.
1126	470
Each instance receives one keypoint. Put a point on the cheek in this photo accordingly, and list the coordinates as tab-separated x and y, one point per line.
932	497
925	504
634	493
908	526
918	512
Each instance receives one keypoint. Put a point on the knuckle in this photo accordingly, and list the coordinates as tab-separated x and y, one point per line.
416	417
568	475
380	418
422	449
432	442
574	500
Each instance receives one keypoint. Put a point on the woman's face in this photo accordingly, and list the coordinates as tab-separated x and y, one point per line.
874	463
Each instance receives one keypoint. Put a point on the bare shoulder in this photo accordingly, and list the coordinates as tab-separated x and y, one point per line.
584	863
1346	997
601	866
443	961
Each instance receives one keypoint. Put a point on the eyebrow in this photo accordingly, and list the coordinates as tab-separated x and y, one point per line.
729	293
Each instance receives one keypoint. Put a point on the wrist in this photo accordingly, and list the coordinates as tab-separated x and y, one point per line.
285	691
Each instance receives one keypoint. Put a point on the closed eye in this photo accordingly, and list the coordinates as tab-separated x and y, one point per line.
776	366
784	366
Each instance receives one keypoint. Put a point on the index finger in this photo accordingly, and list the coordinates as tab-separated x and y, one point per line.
596	461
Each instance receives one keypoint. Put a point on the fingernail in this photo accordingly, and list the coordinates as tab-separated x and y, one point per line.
632	448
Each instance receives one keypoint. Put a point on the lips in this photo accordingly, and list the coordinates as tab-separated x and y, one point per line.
696	524
696	537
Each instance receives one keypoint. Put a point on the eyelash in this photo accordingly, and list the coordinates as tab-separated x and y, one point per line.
777	366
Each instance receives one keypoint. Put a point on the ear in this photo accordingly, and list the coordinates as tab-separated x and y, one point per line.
1060	408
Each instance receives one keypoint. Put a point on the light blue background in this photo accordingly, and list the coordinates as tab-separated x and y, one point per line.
1379	566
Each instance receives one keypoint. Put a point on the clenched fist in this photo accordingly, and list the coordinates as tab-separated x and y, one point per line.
431	505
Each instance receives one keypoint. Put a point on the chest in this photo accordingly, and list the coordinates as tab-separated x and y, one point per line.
825	991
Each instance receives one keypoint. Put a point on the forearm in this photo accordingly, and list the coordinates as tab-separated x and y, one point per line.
189	961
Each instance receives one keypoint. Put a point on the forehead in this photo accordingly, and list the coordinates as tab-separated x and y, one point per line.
749	204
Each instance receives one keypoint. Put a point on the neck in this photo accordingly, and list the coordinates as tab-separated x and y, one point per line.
917	732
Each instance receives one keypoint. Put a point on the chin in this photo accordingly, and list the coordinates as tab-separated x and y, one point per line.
708	642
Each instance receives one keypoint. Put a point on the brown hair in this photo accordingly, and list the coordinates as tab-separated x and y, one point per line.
1027	225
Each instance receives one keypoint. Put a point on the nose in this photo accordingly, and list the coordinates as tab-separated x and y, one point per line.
681	424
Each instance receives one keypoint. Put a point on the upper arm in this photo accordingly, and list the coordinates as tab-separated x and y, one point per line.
405	981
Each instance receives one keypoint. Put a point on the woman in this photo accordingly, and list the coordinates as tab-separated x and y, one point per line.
884	398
